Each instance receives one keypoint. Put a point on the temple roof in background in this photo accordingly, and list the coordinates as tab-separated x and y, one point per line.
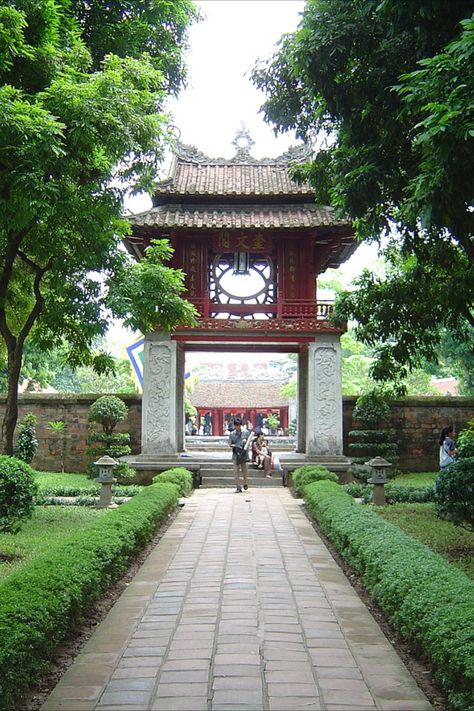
238	394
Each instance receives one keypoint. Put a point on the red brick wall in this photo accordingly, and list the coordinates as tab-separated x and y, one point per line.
417	422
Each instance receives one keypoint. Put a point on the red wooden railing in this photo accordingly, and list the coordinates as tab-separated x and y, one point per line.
283	309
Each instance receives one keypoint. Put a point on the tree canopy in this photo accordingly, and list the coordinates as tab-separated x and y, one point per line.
390	85
83	88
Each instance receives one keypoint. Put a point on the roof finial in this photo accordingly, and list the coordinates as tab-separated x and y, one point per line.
243	143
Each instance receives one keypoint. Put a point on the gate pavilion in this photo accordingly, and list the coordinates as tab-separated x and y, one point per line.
251	242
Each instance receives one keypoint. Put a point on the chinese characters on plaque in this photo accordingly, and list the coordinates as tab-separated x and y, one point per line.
256	243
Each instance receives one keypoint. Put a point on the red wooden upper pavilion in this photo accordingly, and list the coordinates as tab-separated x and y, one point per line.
251	242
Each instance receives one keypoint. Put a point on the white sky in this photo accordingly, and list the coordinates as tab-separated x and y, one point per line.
219	97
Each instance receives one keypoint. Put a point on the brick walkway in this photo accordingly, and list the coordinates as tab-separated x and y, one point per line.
240	606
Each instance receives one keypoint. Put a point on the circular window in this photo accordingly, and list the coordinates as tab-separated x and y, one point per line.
256	285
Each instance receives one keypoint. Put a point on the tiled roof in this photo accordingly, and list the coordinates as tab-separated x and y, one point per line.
231	179
241	393
236	216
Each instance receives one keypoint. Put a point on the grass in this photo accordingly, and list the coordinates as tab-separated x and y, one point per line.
48	525
454	543
48	480
416	479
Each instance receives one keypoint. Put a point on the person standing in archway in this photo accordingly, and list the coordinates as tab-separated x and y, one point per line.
238	438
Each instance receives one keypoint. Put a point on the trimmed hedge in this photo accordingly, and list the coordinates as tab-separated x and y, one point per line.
67	490
179	476
311	472
394	493
429	602
43	601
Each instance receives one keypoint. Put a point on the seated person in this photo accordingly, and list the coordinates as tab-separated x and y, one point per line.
261	455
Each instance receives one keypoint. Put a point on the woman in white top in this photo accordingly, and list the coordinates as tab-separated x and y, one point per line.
447	447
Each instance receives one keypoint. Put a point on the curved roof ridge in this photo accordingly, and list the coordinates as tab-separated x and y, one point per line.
187	153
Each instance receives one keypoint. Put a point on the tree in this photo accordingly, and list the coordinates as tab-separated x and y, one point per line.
390	84
456	358
82	92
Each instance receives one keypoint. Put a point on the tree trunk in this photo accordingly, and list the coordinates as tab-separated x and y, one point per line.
11	406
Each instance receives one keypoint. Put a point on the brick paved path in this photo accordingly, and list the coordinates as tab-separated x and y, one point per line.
240	606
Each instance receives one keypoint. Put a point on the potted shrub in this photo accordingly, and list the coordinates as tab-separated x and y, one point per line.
273	424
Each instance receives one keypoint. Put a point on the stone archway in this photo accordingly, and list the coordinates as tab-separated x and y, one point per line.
319	393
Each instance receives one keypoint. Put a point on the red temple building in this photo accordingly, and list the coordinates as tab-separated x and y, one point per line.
252	243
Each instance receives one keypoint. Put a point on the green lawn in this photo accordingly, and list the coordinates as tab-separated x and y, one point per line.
416	479
48	480
48	525
454	543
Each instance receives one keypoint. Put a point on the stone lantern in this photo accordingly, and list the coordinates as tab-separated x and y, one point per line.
105	478
379	467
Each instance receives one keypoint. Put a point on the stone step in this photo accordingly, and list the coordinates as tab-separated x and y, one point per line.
229	482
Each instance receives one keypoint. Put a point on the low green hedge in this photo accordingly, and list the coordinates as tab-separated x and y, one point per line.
394	493
65	490
430	602
308	473
179	476
40	603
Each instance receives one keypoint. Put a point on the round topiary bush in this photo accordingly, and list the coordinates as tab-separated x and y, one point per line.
308	473
108	411
17	491
454	493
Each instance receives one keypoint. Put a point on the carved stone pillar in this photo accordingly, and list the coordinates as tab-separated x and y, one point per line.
302	399
324	404
160	403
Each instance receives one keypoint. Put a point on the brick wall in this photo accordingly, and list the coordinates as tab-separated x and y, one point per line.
73	410
417	421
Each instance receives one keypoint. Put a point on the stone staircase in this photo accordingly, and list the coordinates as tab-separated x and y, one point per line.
209	460
221	474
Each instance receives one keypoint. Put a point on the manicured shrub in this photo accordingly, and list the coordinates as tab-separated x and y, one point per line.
26	442
454	493
311	472
40	603
179	476
17	492
108	411
372	408
430	602
372	411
